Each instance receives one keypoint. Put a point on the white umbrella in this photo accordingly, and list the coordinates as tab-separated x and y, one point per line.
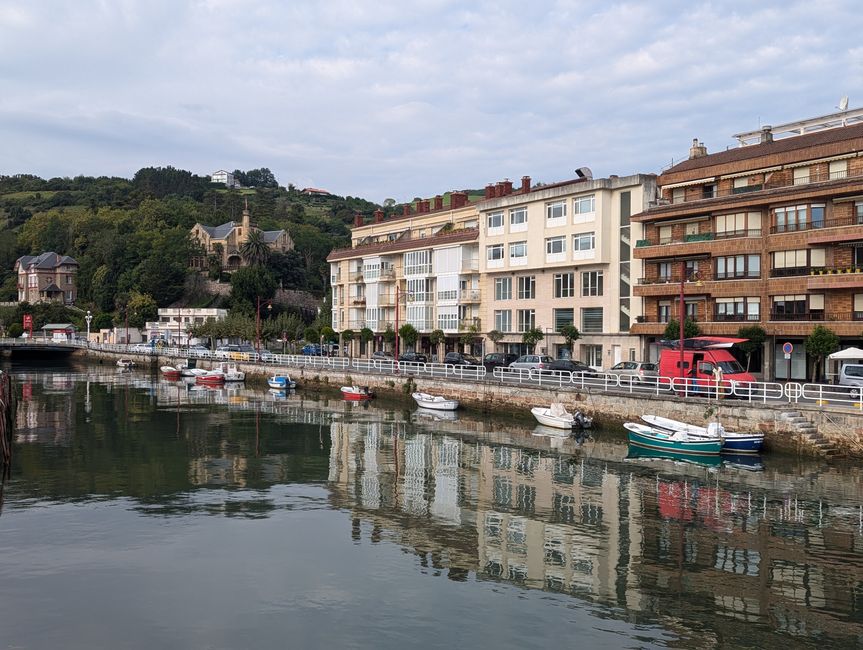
848	354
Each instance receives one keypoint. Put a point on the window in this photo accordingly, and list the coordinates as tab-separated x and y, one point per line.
591	283
663	271
503	320
663	312
665	234
738	266
584	242
789	306
592	355
502	288
371	270
555	249
591	319
796	262
563	317
564	285
418	262
858	212
678	195
419	290
518	219
518	253
584	205
838	169
526	319
708	191
555	211
801	175
799	217
741	224
738	309
495	221
446	322
526	287
744	184
494	255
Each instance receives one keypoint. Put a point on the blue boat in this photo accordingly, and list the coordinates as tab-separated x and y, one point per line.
732	442
281	382
642	435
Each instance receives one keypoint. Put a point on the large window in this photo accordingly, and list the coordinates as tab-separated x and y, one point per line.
555	212
555	245
502	288
418	262
526	319
592	355
738	266
585	241
663	311
791	307
563	317
799	217
796	262
518	219
526	287
564	285
738	309
419	290
584	204
518	253
740	224
591	320
495	221
494	253
591	283
503	320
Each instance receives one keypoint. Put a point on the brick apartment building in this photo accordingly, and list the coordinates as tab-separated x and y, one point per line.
767	233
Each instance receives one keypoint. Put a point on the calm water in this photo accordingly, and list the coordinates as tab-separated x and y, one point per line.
142	514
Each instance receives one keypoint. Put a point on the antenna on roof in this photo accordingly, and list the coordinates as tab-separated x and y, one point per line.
843	103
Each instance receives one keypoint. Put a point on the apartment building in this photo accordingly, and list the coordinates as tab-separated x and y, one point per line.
767	233
175	322
419	267
48	277
554	255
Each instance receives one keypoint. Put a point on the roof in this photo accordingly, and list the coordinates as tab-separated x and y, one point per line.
271	236
59	326
219	232
314	190
49	261
453	236
784	145
52	288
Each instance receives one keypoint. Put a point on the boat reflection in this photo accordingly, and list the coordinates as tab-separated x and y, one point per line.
435	416
641	454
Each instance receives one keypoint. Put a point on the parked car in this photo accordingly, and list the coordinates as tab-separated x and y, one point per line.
198	351
498	360
266	356
532	362
225	351
851	374
312	350
416	357
569	365
382	355
459	359
635	371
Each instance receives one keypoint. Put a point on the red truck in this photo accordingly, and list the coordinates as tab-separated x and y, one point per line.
702	355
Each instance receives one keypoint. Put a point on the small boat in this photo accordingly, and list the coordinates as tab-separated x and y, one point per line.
640	453
192	372
677	441
170	373
735	443
558	417
125	363
281	382
435	402
211	378
231	372
357	392
435	416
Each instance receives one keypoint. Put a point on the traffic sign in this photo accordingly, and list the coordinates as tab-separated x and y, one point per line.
787	348
788	357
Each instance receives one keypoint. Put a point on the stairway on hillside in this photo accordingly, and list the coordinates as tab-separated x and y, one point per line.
809	432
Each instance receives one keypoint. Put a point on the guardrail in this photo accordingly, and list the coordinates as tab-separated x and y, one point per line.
750	392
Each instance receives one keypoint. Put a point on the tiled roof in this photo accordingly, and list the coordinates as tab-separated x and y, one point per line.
737	154
219	232
454	236
52	288
271	236
47	261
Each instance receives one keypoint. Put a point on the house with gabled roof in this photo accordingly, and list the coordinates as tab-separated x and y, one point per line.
48	277
226	240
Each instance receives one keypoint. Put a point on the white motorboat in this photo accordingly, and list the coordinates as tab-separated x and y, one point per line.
357	393
125	363
231	372
733	442
281	382
435	402
558	417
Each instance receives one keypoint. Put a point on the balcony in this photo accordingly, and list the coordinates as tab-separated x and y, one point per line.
356	276
357	324
836	277
817	224
386	300
465	324
468	296
388	273
698	237
358	300
794	271
470	266
819	316
724	317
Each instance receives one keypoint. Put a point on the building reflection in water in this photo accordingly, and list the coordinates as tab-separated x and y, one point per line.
697	553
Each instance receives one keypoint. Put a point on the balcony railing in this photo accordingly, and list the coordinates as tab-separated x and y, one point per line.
790	271
470	266
837	270
725	317
358	300
817	224
356	276
675	279
388	273
698	237
469	295
818	316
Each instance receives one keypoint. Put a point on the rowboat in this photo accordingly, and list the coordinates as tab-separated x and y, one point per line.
732	442
357	392
281	382
435	402
170	373
558	417
677	441
211	378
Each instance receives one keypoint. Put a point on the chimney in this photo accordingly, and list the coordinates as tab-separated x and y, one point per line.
379	215
766	134
489	191
507	187
426	206
458	200
438	202
697	150
525	184
419	207
358	220
498	189
406	210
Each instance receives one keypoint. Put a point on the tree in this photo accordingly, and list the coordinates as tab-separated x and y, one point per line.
247	285
255	250
570	334
329	334
532	336
409	334
348	334
310	334
141	308
389	334
367	336
14	330
437	339
495	336
756	336
822	342
470	336
690	329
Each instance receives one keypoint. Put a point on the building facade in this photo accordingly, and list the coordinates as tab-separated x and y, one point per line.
48	277
227	239
225	178
175	322
768	234
420	267
559	254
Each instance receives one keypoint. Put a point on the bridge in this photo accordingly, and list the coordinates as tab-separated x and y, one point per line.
39	348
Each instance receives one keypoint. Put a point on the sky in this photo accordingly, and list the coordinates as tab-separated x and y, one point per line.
399	99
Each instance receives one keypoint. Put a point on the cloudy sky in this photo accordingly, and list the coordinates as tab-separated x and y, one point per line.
408	98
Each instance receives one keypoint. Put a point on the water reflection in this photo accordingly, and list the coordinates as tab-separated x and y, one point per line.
698	549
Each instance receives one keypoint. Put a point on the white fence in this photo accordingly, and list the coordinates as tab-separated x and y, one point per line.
751	392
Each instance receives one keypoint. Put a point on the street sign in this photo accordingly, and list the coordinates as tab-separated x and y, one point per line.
787	348
788	357
28	322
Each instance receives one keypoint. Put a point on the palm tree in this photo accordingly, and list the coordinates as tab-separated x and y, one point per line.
255	250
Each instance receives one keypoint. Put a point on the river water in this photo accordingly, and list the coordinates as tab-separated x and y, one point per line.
145	514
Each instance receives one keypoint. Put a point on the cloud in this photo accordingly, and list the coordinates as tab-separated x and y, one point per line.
383	99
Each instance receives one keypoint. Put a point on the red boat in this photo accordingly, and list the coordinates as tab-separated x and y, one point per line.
170	373
357	393
212	378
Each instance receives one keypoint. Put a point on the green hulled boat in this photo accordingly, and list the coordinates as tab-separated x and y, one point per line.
642	453
644	436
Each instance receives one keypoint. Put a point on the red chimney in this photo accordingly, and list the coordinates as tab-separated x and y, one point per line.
498	189
419	206
458	199
507	187
426	206
358	220
406	209
525	184
489	191
379	215
438	202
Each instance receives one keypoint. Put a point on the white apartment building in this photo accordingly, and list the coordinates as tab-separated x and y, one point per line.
560	254
174	323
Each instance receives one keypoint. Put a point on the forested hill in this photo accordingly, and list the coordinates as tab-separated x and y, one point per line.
132	235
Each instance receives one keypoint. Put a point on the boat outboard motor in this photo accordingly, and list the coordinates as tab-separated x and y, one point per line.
582	421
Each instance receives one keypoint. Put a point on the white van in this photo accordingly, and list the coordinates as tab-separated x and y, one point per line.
851	374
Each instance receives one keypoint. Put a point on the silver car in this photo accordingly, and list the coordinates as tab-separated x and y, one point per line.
635	371
532	361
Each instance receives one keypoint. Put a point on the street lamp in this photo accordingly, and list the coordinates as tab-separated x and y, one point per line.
684	278
87	319
269	304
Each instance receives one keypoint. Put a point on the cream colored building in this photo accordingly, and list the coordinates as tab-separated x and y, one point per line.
420	267
561	254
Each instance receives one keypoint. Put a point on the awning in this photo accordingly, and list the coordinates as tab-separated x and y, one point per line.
847	354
